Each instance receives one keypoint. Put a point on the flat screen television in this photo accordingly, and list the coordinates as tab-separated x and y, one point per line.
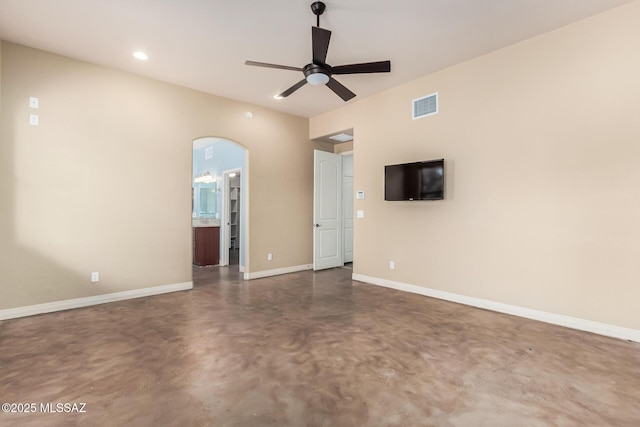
414	181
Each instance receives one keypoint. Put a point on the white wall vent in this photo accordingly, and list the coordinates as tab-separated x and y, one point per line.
425	106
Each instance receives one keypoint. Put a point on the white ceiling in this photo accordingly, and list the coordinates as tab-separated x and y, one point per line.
202	44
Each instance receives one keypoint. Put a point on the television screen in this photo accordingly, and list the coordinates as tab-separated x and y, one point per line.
414	181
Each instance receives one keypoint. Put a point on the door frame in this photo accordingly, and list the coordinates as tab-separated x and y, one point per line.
352	196
225	235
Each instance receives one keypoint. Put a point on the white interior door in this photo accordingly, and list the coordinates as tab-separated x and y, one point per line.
327	210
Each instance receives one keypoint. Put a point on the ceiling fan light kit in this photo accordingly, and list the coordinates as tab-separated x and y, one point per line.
318	72
316	75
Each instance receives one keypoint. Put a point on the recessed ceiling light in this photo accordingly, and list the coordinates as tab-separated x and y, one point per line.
140	55
248	115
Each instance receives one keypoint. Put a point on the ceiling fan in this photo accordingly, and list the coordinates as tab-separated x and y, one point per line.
318	72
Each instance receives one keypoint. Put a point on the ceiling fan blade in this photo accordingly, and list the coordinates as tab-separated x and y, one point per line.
279	67
292	89
367	67
340	90
320	39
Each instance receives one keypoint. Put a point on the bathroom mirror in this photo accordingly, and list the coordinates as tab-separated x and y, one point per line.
208	198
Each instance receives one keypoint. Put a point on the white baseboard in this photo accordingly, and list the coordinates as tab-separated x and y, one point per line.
30	310
543	316
276	271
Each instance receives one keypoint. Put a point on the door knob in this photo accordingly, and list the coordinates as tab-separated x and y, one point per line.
317	225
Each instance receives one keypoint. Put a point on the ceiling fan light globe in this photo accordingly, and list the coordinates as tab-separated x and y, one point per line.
317	79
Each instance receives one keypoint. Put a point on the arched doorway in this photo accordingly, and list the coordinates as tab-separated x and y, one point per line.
220	196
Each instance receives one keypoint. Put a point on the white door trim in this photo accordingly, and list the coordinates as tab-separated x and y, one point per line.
348	217
225	238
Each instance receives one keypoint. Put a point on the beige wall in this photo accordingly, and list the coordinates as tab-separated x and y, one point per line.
344	147
542	148
104	182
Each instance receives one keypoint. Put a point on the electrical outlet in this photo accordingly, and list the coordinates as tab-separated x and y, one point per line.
95	277
33	119
269	257
392	265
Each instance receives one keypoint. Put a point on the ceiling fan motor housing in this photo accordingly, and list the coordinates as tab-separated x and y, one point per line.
317	75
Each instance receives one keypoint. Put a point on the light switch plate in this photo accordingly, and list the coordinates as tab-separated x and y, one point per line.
33	102
359	194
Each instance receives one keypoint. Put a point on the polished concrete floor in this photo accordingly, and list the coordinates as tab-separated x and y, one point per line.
310	349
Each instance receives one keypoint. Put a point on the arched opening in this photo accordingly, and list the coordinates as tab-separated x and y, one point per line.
220	201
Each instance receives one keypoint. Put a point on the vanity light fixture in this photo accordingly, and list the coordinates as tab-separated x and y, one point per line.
204	178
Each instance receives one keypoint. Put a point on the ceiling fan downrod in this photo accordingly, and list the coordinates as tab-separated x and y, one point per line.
317	7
